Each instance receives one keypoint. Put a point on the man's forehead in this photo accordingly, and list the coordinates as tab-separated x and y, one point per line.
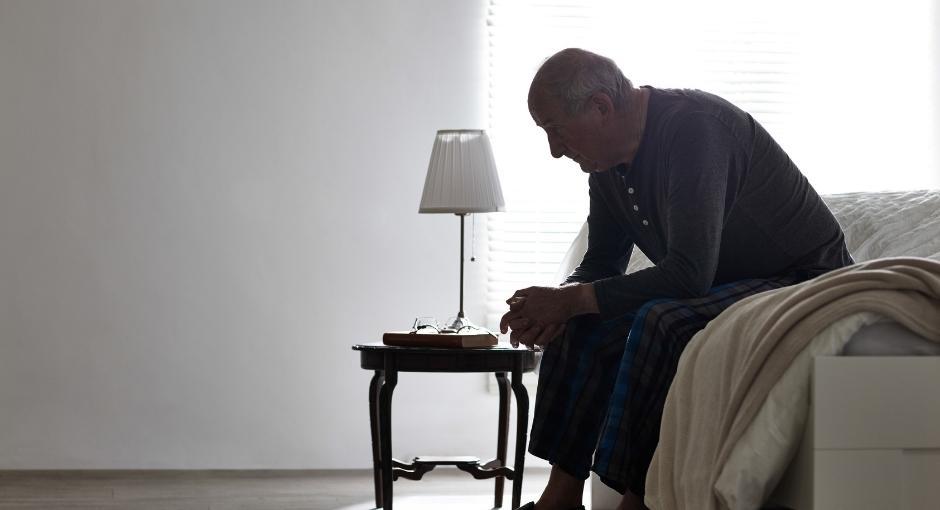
543	110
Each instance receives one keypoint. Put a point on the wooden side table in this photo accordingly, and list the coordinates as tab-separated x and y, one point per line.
388	361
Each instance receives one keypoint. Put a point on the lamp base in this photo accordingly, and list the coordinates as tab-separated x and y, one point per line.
459	323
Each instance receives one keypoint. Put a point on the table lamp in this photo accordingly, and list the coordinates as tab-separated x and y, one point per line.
461	179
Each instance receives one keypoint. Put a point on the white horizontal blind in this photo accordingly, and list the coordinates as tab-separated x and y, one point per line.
753	65
803	69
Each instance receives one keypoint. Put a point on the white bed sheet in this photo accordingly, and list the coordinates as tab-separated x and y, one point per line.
889	339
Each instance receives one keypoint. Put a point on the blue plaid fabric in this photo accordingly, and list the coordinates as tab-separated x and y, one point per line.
602	387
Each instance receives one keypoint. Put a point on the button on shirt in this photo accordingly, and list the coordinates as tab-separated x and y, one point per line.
630	191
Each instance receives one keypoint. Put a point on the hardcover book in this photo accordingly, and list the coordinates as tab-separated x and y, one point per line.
479	338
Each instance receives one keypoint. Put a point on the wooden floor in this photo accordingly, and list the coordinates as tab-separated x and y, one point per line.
246	490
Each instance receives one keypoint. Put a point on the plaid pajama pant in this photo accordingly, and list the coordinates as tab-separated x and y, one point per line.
602	387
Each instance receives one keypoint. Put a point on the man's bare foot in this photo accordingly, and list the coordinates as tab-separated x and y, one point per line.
563	492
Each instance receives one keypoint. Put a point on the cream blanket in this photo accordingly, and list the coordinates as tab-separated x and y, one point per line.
728	369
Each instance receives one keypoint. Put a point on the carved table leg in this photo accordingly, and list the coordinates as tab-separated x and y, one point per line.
374	421
502	432
385	427
522	427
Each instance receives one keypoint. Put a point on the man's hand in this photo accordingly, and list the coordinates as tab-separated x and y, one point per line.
537	315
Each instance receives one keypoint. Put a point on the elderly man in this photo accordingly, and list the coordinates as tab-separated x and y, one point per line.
705	192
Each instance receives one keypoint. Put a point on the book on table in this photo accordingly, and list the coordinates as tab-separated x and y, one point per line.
477	338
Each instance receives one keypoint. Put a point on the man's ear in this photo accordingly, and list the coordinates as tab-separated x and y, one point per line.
602	103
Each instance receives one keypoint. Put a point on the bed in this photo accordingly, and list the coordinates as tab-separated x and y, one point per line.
855	421
871	438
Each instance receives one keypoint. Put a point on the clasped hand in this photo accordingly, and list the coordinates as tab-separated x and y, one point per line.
537	315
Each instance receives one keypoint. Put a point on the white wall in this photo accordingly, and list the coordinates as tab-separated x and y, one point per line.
203	205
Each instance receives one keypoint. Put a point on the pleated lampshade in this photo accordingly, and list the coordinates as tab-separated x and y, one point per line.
462	174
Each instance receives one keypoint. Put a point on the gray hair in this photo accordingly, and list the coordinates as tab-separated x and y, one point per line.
573	75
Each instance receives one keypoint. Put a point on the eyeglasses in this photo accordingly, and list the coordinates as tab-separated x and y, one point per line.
429	325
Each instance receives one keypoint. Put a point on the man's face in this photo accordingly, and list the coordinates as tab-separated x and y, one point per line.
576	137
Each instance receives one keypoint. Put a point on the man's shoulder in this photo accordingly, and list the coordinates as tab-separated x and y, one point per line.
671	105
675	110
691	99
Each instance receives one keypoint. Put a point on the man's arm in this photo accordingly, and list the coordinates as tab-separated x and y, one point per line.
609	248
702	184
538	314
